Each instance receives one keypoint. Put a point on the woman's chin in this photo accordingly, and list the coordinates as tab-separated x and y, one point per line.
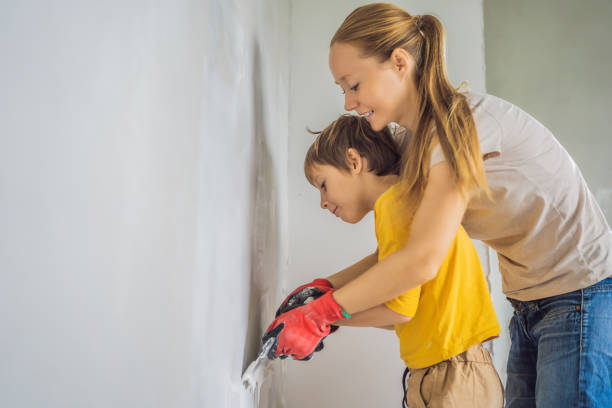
377	125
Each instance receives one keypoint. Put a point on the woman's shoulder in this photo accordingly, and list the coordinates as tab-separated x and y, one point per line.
489	113
492	104
493	108
500	123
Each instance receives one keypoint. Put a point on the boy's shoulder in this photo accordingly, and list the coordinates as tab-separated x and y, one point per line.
390	209
390	199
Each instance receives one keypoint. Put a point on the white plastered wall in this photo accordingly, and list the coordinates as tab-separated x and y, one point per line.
143	199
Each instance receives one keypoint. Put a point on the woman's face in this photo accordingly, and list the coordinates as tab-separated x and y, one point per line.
380	91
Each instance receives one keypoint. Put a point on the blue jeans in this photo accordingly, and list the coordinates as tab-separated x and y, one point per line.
561	351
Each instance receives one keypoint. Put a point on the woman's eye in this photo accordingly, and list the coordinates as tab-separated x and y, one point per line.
352	88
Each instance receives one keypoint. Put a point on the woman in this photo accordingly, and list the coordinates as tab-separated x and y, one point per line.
478	161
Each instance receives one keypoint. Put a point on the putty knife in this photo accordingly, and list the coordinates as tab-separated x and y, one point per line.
254	374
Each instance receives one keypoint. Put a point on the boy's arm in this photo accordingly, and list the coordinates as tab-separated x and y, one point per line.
296	297
346	275
378	316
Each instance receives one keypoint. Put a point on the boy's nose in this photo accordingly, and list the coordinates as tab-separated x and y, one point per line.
349	102
323	202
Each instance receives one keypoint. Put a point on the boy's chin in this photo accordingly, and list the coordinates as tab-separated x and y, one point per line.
353	219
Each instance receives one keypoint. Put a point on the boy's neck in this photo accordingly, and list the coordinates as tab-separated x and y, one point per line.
377	185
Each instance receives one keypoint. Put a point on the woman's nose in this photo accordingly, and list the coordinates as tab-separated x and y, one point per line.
350	102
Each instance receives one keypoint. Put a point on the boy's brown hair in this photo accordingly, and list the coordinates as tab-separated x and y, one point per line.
332	143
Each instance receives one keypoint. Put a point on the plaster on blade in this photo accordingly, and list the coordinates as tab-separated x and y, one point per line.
254	374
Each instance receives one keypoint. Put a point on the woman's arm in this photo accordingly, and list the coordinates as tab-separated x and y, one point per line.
432	232
346	275
378	316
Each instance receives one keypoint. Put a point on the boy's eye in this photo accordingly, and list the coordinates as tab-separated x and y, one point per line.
323	186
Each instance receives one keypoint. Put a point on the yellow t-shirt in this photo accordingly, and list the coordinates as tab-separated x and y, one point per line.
450	313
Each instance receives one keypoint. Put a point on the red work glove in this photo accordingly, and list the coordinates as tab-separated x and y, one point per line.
297	298
301	296
300	330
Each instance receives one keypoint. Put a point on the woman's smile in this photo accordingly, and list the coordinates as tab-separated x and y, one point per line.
367	115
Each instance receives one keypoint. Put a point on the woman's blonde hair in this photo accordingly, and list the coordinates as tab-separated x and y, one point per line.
444	113
350	131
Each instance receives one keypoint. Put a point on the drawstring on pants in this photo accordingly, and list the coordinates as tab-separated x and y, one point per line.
404	402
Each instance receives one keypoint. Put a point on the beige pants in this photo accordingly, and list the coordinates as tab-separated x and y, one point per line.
466	380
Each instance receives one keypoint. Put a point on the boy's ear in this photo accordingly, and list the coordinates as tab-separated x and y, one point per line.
355	161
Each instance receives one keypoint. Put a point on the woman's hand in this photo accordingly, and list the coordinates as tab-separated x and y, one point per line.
297	296
299	331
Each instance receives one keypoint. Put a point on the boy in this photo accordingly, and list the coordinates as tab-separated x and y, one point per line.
440	331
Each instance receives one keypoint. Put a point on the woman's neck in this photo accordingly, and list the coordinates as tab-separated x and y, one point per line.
409	109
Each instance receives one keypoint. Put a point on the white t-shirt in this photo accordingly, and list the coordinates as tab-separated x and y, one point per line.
550	235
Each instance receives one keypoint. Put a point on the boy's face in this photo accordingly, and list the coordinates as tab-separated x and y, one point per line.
342	192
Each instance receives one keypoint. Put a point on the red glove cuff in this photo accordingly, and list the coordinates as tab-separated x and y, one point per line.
323	283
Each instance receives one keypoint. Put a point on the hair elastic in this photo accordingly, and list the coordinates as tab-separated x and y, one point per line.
418	24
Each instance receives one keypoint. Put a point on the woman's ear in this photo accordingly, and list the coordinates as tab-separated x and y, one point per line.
355	161
402	62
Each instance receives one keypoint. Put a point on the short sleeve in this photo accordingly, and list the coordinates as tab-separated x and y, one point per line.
488	128
407	303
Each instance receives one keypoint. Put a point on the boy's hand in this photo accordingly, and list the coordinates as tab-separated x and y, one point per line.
299	331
